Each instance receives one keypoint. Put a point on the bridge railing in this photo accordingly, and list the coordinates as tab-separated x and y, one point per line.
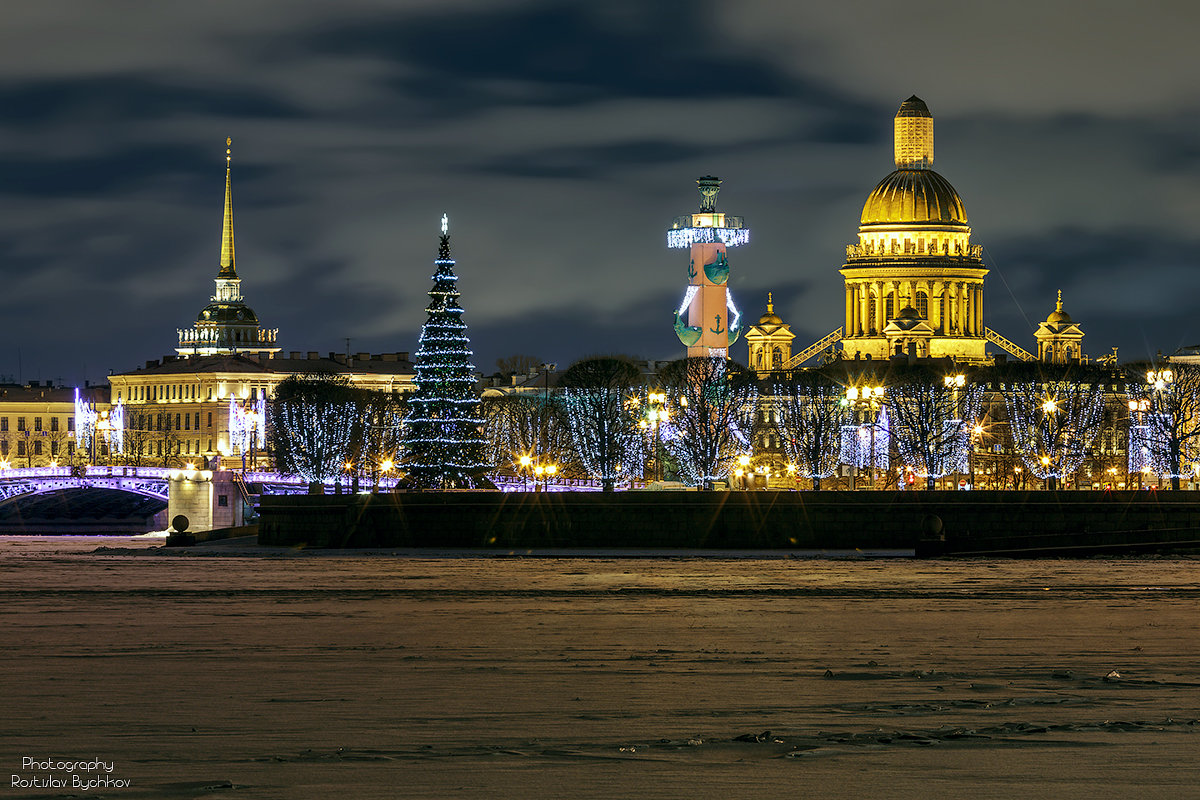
36	472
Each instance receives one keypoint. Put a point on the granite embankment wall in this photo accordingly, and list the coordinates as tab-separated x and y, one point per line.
1016	522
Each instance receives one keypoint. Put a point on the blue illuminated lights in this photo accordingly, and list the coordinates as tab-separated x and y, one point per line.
686	237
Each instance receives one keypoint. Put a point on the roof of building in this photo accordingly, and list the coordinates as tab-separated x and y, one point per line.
1058	316
914	107
38	392
914	196
333	364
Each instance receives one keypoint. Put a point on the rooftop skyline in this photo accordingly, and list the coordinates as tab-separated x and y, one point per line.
562	140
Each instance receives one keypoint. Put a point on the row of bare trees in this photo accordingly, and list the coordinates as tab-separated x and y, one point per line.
1044	418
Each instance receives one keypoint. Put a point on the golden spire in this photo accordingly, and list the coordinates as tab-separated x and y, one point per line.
770	305
1059	306
228	265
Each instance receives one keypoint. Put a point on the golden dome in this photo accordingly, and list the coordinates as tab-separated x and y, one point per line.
916	196
770	318
1058	316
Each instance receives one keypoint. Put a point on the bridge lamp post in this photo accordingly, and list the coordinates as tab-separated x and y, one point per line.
385	466
743	471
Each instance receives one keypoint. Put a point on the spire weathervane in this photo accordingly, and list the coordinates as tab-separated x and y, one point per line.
445	224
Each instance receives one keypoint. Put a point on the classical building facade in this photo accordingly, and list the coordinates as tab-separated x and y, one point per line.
1059	339
178	409
38	423
769	341
914	280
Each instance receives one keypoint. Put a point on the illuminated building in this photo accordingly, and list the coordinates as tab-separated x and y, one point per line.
227	325
1059	339
38	423
769	342
914	281
702	321
204	406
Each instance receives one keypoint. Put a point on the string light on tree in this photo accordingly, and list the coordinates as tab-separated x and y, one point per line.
444	443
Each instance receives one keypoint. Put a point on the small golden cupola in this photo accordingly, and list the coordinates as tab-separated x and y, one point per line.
1059	338
770	341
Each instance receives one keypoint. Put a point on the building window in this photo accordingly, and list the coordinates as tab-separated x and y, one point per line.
777	358
177	422
54	424
3	423
223	500
889	310
187	422
197	420
70	424
20	423
922	305
70	448
37	423
37	447
210	425
54	448
3	447
20	448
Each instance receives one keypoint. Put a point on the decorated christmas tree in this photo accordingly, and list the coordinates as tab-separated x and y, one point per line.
443	436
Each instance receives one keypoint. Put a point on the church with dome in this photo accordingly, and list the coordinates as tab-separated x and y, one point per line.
914	281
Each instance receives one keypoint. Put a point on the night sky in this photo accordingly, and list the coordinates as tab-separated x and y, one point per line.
562	138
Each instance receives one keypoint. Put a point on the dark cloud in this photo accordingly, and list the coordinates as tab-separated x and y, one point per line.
562	139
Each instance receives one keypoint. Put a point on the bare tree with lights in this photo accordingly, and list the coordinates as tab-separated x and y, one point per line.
932	416
1054	414
532	426
599	397
714	400
1164	407
310	426
812	413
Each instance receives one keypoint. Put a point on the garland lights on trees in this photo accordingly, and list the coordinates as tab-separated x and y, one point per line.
1164	427
311	426
602	414
932	419
530	426
443	430
1054	418
812	414
713	400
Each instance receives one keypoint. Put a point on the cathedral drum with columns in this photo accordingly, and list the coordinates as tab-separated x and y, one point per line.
914	281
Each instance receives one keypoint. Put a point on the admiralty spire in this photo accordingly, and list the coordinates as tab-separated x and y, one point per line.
227	325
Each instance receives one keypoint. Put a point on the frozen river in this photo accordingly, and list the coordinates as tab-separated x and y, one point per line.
233	673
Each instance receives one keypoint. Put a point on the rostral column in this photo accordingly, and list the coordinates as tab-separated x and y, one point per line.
707	321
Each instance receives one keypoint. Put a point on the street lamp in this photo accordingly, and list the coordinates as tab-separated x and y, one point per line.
525	461
385	467
744	464
551	470
658	414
